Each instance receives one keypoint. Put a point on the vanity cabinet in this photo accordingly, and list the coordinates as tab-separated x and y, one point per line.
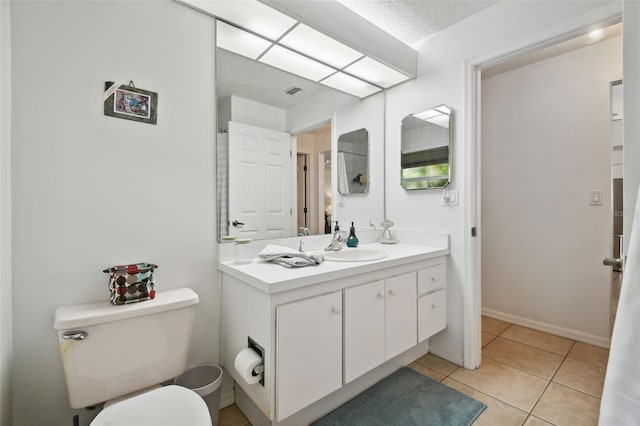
379	323
308	351
328	332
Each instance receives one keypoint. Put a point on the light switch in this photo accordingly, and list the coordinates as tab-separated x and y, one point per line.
450	197
596	198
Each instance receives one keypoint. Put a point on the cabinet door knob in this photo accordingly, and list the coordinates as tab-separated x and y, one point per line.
380	296
433	279
392	293
335	310
433	306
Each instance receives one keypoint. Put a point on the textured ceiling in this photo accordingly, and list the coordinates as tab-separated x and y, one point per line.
548	52
412	21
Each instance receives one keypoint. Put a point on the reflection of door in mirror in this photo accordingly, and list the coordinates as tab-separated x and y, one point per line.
426	145
312	147
259	182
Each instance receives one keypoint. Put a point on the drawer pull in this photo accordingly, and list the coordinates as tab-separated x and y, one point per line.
335	310
392	293
433	279
380	296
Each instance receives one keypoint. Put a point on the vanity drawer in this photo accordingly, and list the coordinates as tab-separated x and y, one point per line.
432	278
432	314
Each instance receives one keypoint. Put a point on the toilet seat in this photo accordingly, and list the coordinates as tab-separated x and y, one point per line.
167	406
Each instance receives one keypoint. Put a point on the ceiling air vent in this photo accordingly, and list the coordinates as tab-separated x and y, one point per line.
292	90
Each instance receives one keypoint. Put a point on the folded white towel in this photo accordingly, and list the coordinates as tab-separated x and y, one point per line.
288	257
272	249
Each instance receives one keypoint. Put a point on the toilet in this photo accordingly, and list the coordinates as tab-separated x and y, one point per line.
120	355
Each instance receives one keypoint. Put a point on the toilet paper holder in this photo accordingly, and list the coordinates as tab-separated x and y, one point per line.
260	351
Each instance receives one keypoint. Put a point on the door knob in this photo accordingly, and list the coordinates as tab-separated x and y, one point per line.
609	261
236	223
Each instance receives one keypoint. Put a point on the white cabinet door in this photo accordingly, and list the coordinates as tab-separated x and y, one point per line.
308	351
432	314
364	345
401	314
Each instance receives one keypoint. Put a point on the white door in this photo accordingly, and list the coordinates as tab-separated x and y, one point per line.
363	329
401	316
309	351
259	182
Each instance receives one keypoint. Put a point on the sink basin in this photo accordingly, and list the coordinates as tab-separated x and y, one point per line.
355	255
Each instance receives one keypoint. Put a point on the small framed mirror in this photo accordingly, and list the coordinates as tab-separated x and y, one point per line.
353	162
426	140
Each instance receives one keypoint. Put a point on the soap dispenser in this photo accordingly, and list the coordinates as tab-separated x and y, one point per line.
352	240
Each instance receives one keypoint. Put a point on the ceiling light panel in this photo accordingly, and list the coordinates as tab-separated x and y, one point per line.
353	86
375	72
249	14
313	43
241	42
294	63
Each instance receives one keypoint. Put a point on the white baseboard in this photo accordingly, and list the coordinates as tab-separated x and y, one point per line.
549	328
446	353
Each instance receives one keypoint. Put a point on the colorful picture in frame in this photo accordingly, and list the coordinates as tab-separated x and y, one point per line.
130	103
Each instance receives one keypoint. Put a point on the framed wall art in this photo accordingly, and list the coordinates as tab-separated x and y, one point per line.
130	103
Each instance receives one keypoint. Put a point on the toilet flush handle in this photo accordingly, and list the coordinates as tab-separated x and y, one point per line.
74	335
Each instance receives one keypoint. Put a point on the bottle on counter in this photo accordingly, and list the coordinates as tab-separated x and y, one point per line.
352	240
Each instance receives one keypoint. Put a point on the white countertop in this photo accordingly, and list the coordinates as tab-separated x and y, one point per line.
273	278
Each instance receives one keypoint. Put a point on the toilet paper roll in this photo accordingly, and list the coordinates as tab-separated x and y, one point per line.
246	363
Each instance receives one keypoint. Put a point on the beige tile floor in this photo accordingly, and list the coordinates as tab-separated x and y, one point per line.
527	377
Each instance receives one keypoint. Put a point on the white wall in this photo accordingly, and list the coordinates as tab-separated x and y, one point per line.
631	84
255	113
5	216
546	143
502	28
92	191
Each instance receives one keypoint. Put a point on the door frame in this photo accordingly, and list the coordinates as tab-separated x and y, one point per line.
472	148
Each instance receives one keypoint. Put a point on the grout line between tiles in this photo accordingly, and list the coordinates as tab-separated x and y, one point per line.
550	381
521	370
490	396
546	350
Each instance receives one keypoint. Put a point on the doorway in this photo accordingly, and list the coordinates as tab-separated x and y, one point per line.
546	188
313	173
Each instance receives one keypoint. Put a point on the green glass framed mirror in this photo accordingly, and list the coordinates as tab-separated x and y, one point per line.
426	142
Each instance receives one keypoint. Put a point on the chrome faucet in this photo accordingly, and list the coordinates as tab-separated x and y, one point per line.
338	242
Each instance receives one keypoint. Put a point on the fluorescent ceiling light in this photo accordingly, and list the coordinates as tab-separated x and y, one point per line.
249	14
294	63
351	85
375	72
313	43
241	42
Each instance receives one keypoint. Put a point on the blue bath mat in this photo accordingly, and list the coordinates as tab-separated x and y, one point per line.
406	398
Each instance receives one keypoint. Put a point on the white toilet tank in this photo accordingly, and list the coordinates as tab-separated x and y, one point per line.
110	351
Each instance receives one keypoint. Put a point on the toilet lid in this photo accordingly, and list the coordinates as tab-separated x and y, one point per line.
167	406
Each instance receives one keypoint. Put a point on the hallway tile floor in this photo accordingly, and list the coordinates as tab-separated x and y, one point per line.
527	377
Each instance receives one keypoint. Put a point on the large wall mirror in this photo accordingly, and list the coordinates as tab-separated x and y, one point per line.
353	162
426	149
274	181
